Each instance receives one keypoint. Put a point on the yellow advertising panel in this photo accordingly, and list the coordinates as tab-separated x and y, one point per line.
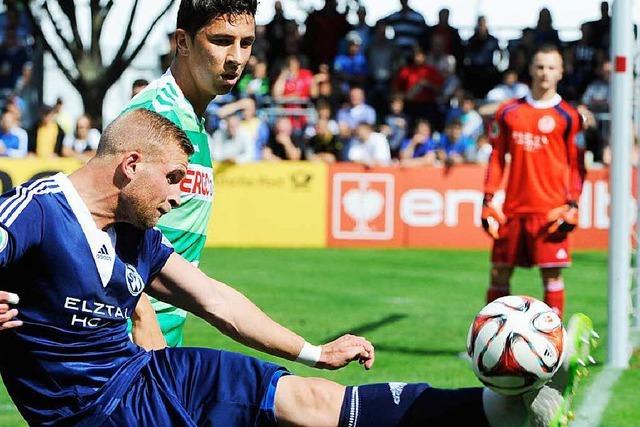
14	172
280	204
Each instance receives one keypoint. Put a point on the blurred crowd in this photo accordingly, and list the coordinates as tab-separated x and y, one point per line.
399	92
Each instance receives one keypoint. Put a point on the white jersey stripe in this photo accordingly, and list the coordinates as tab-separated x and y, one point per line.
13	210
24	194
19	190
25	203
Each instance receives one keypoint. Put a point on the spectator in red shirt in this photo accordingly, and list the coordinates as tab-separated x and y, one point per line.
295	87
420	84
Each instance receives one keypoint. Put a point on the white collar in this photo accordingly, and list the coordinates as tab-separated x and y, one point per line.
550	103
101	243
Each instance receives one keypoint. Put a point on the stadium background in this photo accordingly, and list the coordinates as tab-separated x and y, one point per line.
414	304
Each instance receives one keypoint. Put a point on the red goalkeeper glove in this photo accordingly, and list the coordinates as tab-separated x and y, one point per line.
563	218
492	217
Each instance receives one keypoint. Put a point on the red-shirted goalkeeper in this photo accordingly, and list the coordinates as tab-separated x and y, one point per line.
544	183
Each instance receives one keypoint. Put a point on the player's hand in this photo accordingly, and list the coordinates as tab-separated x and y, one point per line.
7	313
344	350
492	217
563	218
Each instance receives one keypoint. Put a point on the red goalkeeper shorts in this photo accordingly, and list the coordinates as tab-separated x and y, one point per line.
524	241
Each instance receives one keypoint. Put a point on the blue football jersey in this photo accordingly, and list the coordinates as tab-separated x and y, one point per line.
72	359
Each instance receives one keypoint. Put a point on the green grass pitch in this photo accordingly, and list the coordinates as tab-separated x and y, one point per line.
414	305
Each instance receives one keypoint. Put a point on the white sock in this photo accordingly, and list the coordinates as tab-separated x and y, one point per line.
503	411
533	409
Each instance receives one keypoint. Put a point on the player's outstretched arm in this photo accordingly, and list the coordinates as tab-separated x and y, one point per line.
8	314
146	329
183	285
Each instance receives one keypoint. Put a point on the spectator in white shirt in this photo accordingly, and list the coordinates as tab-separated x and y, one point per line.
232	144
83	142
369	148
510	88
357	111
597	96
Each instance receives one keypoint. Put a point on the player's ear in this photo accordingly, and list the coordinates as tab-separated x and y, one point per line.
183	42
129	164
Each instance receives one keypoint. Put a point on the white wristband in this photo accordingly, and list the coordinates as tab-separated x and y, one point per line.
310	354
13	298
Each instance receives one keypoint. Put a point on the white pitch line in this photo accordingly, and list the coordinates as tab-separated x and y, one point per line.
596	398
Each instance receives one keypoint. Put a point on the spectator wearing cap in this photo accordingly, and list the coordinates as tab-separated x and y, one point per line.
369	148
351	69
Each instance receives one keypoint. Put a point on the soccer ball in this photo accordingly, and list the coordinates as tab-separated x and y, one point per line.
516	343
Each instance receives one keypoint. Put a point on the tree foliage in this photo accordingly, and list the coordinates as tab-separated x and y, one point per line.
90	74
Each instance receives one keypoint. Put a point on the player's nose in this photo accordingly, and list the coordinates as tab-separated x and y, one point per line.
174	196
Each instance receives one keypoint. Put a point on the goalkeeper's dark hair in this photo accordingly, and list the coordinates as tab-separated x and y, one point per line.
142	130
195	14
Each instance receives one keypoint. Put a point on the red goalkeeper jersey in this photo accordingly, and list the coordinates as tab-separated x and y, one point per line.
547	168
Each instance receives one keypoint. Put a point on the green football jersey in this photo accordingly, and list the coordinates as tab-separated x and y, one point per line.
185	226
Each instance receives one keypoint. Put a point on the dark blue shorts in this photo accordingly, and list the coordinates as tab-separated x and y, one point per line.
200	387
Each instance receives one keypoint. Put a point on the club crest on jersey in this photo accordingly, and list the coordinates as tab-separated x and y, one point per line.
134	281
4	239
546	124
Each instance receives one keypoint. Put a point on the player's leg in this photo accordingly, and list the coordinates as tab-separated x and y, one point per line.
504	256
553	288
500	282
550	252
318	403
201	387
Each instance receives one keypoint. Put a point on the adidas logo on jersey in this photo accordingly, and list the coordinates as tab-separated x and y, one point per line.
562	254
396	391
103	254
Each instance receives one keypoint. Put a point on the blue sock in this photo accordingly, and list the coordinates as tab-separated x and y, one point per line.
404	405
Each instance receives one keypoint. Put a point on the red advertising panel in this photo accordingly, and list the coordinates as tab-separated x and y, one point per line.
434	207
362	207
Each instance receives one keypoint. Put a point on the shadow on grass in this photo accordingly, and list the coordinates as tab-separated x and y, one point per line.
392	318
368	327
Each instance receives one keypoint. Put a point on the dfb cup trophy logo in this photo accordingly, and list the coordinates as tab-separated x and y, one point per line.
134	281
363	206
